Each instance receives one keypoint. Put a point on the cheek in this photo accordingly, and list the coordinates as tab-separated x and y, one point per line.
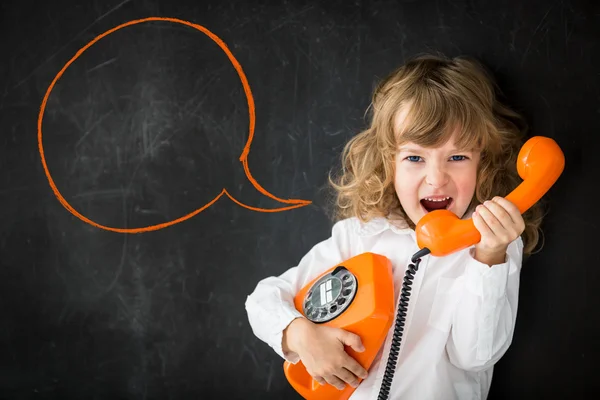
467	183
406	184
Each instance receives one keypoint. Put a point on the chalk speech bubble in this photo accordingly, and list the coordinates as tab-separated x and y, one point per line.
296	203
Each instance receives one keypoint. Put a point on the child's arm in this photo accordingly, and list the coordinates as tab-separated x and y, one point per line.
270	307
485	315
275	320
322	351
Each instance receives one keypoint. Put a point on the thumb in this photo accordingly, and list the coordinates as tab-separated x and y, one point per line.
352	340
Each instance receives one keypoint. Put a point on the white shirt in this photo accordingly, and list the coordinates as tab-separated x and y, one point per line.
460	318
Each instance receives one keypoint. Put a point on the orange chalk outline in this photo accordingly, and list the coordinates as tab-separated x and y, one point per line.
243	158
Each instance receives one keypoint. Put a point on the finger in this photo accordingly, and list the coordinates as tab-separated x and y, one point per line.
352	340
320	380
348	377
481	225
354	367
335	381
494	226
508	205
500	213
512	210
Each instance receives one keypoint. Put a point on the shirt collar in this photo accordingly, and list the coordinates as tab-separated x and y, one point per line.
378	225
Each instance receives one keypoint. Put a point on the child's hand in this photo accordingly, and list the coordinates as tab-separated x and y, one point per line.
499	222
321	349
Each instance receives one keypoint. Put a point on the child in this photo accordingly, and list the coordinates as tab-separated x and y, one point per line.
439	138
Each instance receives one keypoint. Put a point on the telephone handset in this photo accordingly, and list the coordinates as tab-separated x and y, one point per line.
358	295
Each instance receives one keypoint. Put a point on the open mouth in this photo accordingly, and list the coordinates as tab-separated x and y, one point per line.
436	204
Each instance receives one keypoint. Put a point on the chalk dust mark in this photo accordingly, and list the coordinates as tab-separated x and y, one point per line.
123	252
101	65
100	18
533	35
102	193
85	135
289	19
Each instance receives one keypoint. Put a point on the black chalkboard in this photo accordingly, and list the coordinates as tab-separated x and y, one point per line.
149	123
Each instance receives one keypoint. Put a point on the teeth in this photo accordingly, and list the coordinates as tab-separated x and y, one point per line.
444	199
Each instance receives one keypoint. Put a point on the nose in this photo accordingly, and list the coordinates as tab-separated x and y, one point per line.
436	176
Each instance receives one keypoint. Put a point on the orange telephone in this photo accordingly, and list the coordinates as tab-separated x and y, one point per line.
358	296
333	299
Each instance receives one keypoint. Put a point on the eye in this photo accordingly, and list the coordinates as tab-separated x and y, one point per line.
458	158
413	158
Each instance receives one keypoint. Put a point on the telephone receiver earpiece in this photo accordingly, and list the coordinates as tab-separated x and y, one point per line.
539	164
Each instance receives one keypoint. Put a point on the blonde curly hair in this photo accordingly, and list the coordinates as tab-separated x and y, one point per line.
446	96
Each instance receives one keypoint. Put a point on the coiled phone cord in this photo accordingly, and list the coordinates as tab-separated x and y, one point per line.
390	368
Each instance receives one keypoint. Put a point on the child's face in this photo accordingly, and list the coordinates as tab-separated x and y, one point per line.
424	175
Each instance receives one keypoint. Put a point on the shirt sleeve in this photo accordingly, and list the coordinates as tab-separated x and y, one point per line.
270	306
484	319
